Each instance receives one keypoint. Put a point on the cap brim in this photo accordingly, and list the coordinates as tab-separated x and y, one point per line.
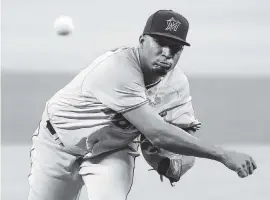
169	36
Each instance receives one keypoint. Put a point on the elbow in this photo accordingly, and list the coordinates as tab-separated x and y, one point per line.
156	141
159	139
154	136
161	136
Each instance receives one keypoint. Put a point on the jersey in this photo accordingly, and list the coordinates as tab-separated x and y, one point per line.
171	98
87	113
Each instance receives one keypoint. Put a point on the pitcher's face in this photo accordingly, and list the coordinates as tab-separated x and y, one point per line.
159	54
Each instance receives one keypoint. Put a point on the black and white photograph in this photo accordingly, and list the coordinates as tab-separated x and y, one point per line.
135	100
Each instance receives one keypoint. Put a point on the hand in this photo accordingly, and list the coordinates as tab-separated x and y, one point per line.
241	163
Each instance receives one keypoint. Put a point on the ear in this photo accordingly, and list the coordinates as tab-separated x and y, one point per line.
141	40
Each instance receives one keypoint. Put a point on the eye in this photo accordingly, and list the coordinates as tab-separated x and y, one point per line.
160	42
175	48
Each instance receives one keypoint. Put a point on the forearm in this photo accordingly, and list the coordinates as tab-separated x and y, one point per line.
176	140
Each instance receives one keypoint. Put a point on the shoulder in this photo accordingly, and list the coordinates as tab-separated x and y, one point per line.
179	74
178	78
178	81
117	66
121	58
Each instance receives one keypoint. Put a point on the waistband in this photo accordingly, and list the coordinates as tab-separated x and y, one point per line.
50	127
53	132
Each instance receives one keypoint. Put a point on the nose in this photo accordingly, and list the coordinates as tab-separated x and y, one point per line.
166	52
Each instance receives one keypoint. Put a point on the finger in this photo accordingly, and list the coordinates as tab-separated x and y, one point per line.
250	168
246	166
242	173
253	163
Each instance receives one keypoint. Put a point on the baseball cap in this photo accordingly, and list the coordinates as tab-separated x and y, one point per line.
169	24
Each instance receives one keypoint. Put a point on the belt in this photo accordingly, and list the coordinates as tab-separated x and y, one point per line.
53	132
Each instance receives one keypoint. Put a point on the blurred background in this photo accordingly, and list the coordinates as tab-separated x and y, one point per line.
228	66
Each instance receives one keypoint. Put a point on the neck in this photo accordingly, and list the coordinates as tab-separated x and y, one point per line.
149	78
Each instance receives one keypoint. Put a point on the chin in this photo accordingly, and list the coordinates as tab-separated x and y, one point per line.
162	72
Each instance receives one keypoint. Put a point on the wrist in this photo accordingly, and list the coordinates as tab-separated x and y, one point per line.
220	154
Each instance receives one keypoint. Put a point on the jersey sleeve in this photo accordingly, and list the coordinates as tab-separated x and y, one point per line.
117	82
183	115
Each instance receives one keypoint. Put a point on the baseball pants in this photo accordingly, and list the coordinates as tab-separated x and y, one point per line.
58	174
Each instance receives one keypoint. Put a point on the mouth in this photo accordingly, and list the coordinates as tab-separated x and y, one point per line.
162	68
163	65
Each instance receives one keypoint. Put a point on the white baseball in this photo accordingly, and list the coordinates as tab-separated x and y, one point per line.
63	25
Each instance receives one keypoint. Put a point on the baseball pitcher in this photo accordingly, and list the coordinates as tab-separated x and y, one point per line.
127	98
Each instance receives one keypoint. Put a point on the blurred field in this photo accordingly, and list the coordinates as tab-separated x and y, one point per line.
208	180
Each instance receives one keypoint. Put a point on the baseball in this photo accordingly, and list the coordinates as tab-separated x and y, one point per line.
63	25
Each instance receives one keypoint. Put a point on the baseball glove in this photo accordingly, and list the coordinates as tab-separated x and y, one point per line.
164	162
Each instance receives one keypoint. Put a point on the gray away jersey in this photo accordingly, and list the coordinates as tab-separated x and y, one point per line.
87	112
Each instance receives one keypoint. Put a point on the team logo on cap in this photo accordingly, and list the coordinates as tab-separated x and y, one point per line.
172	24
